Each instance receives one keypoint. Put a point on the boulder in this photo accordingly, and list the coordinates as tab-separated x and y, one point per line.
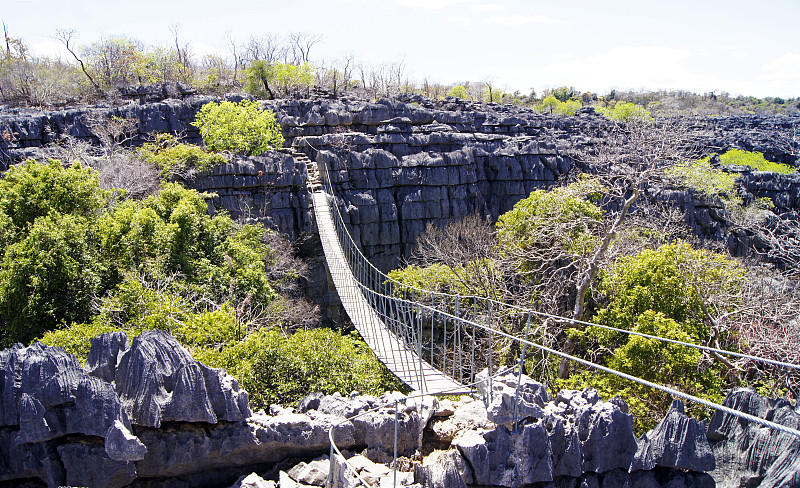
441	470
748	454
314	473
511	396
677	442
253	480
157	380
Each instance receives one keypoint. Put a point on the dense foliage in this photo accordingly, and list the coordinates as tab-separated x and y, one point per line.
271	80
754	160
665	292
172	157
67	242
238	127
626	112
278	368
79	262
670	290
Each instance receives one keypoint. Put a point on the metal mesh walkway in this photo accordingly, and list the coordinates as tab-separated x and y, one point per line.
391	351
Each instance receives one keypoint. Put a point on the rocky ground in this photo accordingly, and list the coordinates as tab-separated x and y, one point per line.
146	414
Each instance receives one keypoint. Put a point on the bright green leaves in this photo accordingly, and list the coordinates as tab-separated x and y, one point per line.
626	112
271	80
436	277
31	190
238	127
674	280
172	157
667	292
705	179
172	233
458	91
755	160
712	182
64	247
276	368
50	268
562	219
49	276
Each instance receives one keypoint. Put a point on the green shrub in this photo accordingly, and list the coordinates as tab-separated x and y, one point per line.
754	160
436	277
171	233
272	80
564	218
550	104
626	112
663	292
704	178
239	128
458	91
31	190
76	338
675	280
276	368
49	277
172	157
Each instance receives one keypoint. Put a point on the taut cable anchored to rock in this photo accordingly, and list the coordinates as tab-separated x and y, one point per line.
422	357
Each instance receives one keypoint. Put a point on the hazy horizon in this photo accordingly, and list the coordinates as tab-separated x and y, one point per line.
738	47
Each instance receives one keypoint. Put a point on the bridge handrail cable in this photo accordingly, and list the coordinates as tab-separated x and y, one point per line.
342	231
370	280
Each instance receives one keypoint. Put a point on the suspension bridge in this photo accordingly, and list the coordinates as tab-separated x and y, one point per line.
436	343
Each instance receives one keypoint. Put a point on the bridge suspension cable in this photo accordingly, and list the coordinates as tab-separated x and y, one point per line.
403	335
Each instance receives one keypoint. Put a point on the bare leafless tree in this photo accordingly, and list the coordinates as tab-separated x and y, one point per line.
65	37
300	44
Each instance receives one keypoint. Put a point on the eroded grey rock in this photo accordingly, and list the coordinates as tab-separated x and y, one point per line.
677	442
511	397
104	354
157	380
748	454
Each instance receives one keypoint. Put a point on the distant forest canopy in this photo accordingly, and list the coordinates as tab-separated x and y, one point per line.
272	67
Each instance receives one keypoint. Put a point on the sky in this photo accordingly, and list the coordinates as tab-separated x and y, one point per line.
739	47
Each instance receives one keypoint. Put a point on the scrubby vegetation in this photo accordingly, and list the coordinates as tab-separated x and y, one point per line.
80	260
649	280
274	67
238	127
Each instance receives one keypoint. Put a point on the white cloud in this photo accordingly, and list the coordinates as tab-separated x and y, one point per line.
430	4
783	68
517	19
460	20
487	7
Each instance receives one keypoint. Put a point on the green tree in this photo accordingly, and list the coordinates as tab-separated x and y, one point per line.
676	292
626	112
570	107
173	158
238	127
32	190
458	91
550	103
49	277
564	93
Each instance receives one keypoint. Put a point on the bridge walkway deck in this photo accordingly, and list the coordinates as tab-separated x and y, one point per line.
401	361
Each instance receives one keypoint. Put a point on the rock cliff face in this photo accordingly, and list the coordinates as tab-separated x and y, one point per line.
147	414
397	165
